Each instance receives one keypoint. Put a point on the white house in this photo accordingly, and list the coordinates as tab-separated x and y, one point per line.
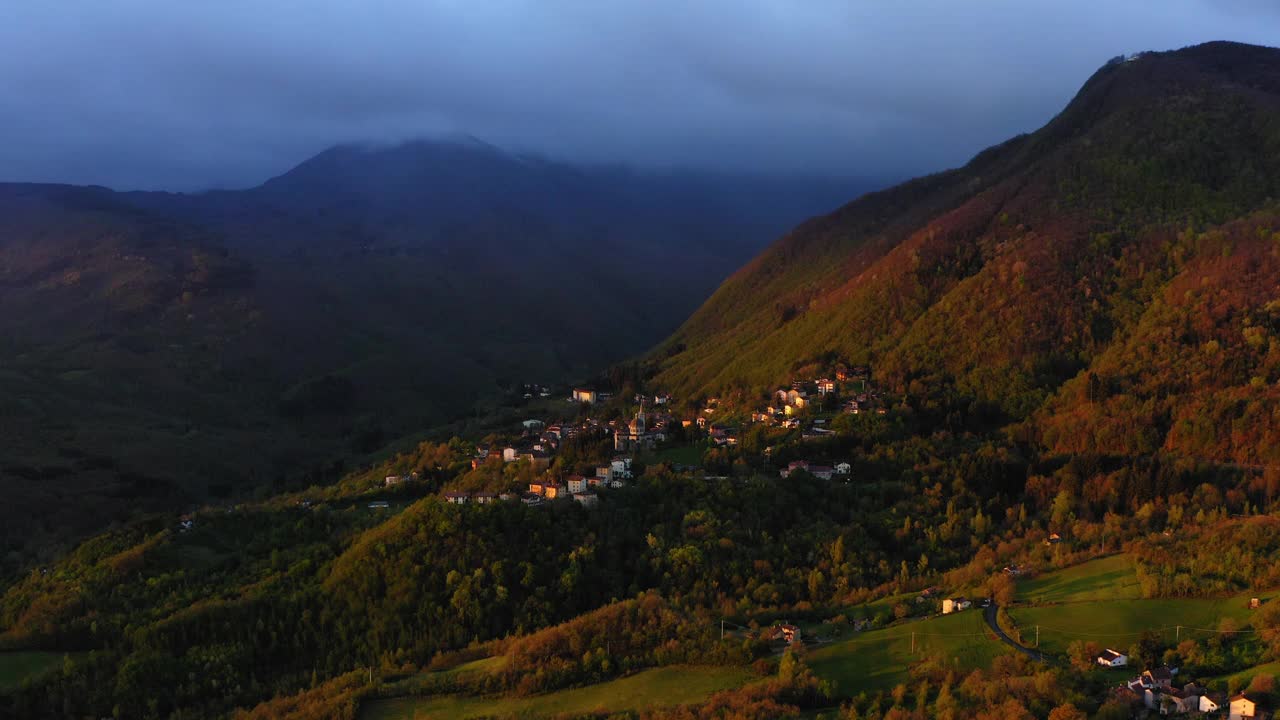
587	498
843	468
1208	704
576	484
1111	658
1243	707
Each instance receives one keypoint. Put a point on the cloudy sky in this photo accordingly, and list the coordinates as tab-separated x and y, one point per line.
190	95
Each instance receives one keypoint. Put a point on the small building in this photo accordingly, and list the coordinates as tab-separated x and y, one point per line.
1210	703
510	454
485	498
457	498
1255	603
533	425
794	466
1161	677
576	483
379	505
585	395
586	498
393	480
551	492
506	496
826	386
1111	658
844	468
822	472
1244	706
537	488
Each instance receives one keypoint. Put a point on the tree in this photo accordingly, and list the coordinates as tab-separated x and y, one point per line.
1067	711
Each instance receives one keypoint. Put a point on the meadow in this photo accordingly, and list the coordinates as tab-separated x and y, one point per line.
1100	601
666	686
880	659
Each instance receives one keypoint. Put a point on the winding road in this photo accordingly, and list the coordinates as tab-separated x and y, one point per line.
989	614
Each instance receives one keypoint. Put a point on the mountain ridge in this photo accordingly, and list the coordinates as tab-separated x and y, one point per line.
992	285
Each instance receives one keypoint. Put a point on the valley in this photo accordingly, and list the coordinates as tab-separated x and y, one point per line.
1034	394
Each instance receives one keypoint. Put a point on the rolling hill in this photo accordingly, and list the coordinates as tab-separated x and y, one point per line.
1108	283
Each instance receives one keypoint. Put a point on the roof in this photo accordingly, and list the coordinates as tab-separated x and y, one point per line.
1110	655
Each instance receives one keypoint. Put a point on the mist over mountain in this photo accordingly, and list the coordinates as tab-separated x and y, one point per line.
167	346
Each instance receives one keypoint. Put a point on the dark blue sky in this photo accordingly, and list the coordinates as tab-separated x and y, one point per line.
189	95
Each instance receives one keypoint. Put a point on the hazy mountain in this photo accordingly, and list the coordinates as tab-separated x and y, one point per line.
162	346
1111	278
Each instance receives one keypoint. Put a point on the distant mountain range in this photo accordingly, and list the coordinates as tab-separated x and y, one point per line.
1109	283
156	347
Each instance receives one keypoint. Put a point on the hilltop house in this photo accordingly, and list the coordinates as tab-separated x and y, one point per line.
576	483
457	498
483	498
585	395
1111	658
551	492
826	386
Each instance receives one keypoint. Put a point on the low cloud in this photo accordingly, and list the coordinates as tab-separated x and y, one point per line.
185	96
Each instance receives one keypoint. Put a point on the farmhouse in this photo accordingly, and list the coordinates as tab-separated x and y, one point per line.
1111	658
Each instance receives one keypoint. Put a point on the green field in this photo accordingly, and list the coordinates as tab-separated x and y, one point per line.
651	688
1245	676
1108	578
880	659
18	666
1100	601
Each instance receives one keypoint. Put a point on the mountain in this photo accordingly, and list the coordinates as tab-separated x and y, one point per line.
1074	336
159	349
1108	283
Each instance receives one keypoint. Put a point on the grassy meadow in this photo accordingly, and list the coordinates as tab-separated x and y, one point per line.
880	659
667	686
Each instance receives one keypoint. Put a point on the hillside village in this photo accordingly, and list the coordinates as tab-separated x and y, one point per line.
613	435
